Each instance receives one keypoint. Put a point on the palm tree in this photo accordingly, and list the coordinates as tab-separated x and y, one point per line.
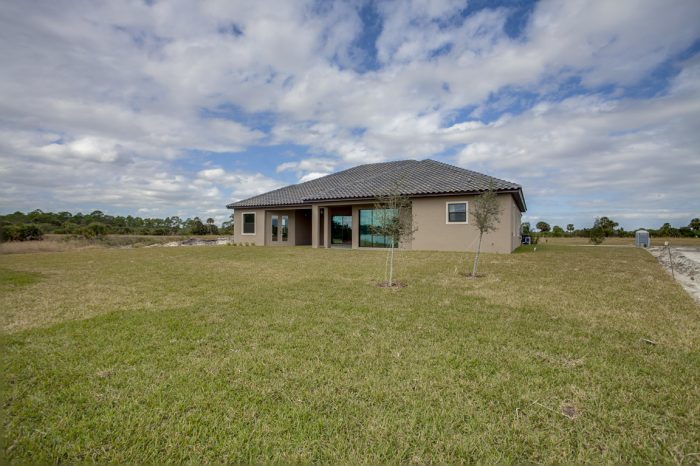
210	222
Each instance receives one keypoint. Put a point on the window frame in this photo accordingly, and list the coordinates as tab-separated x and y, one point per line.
466	212
255	222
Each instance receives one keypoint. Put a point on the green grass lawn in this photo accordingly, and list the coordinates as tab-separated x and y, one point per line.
245	354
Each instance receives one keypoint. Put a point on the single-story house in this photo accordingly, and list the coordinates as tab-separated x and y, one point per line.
338	210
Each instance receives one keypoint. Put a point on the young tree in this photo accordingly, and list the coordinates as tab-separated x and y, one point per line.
393	220
597	233
486	214
543	226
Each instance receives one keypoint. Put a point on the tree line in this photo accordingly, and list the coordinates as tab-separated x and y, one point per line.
33	225
606	227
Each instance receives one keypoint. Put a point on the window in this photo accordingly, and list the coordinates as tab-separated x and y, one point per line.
285	228
274	228
370	219
249	223
457	212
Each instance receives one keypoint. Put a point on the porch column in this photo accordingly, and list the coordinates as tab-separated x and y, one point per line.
327	227
355	227
315	225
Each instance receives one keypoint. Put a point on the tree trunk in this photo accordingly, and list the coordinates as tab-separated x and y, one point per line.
386	267
391	265
476	259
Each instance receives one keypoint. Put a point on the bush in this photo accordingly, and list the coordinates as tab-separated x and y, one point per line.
26	232
597	235
94	230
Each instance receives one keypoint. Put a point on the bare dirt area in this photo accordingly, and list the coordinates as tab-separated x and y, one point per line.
195	242
685	262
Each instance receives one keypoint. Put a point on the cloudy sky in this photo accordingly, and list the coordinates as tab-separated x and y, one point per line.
179	107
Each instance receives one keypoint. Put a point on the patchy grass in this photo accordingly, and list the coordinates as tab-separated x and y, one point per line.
621	241
224	354
64	243
10	279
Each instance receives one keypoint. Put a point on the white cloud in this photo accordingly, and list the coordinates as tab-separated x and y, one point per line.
312	176
111	99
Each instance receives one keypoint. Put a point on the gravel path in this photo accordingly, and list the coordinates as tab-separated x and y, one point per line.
686	266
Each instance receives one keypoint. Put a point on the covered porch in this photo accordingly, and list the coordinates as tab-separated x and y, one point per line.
344	226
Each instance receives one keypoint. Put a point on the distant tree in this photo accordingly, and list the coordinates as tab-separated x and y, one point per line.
694	224
597	233
486	214
175	224
227	226
558	231
543	226
665	230
210	224
570	228
607	225
525	228
393	220
196	227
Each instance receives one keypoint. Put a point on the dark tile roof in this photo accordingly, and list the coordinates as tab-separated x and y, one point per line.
413	178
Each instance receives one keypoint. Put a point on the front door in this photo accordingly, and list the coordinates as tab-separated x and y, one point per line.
341	231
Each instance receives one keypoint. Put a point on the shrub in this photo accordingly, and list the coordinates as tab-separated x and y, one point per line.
26	232
94	230
597	235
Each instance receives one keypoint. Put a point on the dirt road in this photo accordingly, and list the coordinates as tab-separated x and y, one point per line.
686	266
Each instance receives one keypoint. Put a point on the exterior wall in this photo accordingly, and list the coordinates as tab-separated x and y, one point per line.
302	229
259	237
429	217
434	233
516	225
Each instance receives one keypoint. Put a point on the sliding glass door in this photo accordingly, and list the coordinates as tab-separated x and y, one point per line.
341	230
370	222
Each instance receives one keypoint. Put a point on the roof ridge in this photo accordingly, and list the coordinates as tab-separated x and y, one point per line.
402	164
472	172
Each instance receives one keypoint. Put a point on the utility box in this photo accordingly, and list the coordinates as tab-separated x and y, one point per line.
642	239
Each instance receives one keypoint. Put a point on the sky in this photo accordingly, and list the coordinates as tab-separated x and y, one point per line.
158	108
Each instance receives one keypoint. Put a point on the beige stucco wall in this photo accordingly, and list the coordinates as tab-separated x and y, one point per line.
259	237
515	225
434	233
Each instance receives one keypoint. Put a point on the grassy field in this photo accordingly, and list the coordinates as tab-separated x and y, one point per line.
622	241
246	354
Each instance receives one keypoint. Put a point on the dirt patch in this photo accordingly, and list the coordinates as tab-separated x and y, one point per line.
394	286
569	411
194	242
684	264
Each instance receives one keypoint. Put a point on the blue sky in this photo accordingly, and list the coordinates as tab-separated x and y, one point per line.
180	107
